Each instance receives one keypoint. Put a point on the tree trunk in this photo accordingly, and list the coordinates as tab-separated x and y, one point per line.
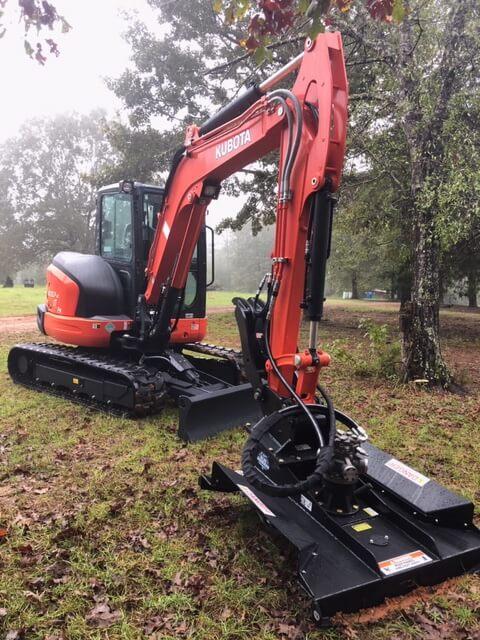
472	289
354	286
419	319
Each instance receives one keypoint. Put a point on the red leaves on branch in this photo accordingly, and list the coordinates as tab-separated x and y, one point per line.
41	15
270	19
274	17
380	9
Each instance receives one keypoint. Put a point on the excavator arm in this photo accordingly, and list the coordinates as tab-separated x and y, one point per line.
307	125
365	525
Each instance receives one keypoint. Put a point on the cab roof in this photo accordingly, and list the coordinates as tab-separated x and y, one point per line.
115	187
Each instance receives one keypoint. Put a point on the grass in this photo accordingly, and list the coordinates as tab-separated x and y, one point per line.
106	512
20	301
223	298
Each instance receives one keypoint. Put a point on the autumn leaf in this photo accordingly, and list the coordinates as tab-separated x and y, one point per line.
15	634
101	616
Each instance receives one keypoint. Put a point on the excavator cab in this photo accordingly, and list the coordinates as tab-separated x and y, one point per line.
126	220
92	299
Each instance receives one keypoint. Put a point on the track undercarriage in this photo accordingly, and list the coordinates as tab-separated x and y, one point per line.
205	381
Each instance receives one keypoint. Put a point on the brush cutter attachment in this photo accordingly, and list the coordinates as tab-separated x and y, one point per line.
373	527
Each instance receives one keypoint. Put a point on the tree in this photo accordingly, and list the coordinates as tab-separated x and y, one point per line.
419	68
429	66
270	19
403	80
48	178
191	69
243	260
38	15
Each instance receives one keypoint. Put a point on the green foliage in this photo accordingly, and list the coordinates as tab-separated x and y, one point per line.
182	71
383	358
48	180
378	357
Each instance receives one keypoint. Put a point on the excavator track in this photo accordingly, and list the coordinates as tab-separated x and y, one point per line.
233	356
112	384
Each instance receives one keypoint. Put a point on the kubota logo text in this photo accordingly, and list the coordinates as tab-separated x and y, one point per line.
232	144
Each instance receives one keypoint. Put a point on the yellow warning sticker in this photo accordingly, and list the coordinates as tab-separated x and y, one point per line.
361	526
76	381
370	512
401	563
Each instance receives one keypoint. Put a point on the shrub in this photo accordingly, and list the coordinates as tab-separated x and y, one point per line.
383	358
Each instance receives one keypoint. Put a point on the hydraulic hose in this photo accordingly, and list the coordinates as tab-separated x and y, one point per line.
283	190
295	396
266	424
259	431
285	94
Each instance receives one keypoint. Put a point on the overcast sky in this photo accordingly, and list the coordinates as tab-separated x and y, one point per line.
92	50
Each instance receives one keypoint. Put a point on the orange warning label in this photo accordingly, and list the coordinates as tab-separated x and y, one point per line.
401	563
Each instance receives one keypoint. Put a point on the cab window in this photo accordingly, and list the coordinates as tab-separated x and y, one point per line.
152	203
117	228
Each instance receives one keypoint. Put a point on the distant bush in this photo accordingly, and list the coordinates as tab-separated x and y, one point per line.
381	359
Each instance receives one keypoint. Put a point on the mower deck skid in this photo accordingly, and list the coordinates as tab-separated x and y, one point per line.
406	531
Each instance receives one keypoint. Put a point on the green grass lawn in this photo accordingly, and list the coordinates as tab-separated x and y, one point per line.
105	524
20	301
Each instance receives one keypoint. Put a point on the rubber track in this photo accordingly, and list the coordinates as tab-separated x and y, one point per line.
148	385
225	353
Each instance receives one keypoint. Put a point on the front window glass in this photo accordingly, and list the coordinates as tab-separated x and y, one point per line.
117	232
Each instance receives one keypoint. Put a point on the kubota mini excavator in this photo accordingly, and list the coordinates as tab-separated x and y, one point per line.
365	525
97	302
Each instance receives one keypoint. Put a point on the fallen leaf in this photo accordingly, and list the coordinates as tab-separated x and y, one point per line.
7	491
3	612
117	506
41	491
101	616
15	634
138	542
290	631
153	624
147	464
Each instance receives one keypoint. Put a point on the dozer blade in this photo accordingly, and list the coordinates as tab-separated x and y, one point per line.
207	414
407	531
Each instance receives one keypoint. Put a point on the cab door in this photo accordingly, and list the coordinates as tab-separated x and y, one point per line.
115	233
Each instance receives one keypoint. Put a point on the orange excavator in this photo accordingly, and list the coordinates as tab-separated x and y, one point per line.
365	525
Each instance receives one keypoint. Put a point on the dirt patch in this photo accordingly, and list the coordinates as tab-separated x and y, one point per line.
18	324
